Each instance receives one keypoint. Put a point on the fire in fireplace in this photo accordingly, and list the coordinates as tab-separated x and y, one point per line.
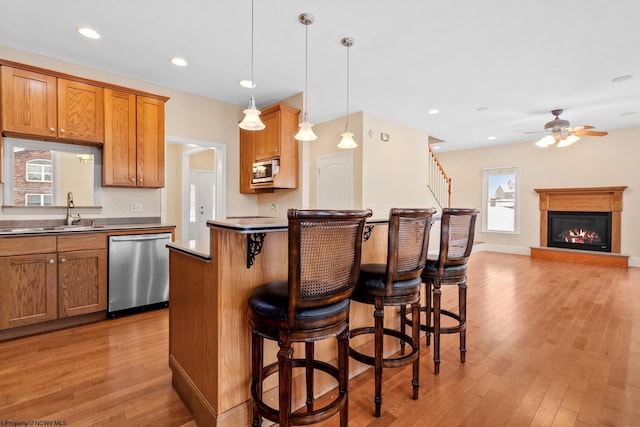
580	230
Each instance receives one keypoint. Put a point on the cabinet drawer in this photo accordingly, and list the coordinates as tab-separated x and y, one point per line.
10	246
80	242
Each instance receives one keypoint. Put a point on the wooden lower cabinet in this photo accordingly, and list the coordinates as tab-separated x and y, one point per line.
28	289
82	282
37	287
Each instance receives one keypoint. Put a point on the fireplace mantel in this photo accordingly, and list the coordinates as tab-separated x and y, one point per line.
590	199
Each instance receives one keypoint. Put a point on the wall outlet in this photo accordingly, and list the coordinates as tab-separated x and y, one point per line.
136	207
273	207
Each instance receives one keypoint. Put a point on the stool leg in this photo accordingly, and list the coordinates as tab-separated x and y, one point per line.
308	349
436	326
284	367
378	315
403	314
462	304
428	312
415	317
343	374
256	374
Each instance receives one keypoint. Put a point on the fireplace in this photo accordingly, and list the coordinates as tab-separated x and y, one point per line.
581	225
589	231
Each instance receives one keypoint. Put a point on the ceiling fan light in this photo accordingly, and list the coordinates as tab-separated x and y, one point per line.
306	133
546	141
568	141
347	141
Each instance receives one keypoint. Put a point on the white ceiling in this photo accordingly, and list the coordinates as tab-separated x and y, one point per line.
520	59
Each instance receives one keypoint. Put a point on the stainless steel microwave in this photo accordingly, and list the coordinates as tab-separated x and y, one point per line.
265	171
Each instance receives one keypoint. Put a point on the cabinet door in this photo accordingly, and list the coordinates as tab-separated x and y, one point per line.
247	156
82	282
80	111
28	290
267	141
28	102
150	136
119	149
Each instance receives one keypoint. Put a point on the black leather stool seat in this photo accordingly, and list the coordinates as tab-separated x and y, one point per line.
270	302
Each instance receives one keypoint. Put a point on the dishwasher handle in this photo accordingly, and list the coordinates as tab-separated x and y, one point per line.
140	237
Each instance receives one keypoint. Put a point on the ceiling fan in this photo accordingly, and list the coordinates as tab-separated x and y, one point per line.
558	131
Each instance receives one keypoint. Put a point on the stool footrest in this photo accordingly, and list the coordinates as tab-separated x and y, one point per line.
300	418
386	362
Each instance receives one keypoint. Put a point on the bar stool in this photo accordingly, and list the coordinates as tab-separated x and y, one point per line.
313	304
456	241
396	283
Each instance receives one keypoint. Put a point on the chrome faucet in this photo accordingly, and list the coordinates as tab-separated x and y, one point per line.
71	218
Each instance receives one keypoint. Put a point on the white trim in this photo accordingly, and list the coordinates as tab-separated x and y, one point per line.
220	170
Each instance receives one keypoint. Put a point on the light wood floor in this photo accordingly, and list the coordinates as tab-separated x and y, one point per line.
549	344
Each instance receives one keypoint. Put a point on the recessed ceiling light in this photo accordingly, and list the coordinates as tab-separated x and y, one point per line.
436	147
247	84
622	78
491	138
433	111
180	62
482	108
89	33
628	113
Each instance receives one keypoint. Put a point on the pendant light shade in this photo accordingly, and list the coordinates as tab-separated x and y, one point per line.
347	141
251	119
305	133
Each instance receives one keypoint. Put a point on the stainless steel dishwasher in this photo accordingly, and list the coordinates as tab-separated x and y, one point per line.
138	273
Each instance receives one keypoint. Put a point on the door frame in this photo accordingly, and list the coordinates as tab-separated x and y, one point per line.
219	169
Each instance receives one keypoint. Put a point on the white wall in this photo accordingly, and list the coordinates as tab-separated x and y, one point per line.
591	162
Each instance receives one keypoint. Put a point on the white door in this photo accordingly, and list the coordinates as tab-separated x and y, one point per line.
335	181
201	203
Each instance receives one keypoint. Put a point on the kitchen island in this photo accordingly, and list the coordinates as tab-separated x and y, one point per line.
209	339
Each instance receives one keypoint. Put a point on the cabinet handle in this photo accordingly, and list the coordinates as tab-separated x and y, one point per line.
133	180
51	261
140	179
61	130
52	129
62	260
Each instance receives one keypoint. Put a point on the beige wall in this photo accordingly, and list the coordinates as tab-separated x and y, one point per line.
591	162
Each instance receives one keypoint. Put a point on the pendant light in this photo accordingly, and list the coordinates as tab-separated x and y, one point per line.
251	119
347	141
305	133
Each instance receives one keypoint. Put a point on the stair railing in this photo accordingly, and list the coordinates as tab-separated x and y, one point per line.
439	183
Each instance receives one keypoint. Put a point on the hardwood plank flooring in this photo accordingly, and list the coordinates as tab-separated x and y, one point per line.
549	344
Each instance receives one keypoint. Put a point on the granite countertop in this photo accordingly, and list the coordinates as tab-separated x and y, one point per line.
197	248
264	224
22	229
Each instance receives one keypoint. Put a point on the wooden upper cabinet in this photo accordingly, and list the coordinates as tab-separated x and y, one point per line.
267	141
80	111
150	142
275	141
28	102
133	151
119	149
36	104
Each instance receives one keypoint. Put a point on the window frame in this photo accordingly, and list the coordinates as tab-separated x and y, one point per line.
42	165
487	173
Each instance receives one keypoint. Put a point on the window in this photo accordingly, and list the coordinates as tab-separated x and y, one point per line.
39	170
500	200
40	173
38	199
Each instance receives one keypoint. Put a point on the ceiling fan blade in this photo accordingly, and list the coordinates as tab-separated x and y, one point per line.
581	128
590	133
534	131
